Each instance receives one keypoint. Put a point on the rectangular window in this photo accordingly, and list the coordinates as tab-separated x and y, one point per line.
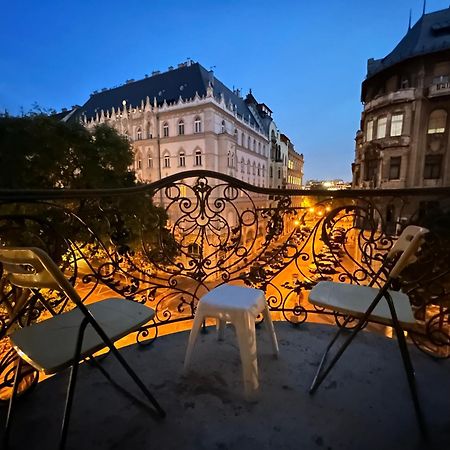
381	127
397	125
394	167
150	163
167	161
432	168
371	169
369	131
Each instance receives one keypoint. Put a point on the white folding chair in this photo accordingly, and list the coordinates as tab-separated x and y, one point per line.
366	304
64	340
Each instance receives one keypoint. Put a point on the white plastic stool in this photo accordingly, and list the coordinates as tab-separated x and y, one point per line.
240	306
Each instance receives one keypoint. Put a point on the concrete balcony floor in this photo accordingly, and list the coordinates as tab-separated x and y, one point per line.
364	404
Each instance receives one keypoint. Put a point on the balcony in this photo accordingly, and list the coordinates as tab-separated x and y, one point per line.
400	96
439	89
218	230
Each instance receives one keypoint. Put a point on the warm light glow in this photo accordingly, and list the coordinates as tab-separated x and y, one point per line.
311	210
328	208
296	223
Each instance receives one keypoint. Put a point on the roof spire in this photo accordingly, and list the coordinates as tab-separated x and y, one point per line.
409	23
424	6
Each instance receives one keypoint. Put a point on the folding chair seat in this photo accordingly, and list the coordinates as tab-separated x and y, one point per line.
378	304
64	340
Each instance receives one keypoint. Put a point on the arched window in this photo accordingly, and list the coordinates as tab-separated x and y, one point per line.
166	160
139	134
223	128
254	169
437	121
249	143
150	162
165	129
236	133
147	131
242	139
228	159
242	165
198	157
254	145
232	159
259	170
182	159
197	125
181	127
263	170
248	166
194	249
139	163
259	147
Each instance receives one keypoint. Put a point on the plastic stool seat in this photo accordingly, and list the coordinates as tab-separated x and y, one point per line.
240	306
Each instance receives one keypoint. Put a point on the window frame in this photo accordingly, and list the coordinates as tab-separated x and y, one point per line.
181	127
394	169
197	125
396	125
432	170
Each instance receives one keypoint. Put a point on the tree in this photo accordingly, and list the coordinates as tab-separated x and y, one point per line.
38	151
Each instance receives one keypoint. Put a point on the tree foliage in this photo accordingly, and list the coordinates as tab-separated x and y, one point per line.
41	152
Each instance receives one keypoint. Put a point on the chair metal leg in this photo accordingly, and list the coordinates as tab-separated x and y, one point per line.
320	377
409	369
11	402
137	380
313	387
72	383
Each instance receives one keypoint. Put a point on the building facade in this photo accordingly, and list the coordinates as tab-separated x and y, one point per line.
404	140
185	119
294	167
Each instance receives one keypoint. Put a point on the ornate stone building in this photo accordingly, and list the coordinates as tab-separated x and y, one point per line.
185	119
404	138
294	166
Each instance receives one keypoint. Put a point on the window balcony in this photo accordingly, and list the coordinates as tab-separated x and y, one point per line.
275	241
439	89
400	96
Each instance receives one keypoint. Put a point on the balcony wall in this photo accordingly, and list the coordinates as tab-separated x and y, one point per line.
212	229
403	95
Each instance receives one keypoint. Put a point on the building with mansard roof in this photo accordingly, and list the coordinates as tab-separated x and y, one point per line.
404	138
184	119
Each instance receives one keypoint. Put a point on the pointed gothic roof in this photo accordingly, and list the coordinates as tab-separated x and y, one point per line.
431	33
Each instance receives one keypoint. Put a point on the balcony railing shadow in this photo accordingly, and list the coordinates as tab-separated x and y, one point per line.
211	229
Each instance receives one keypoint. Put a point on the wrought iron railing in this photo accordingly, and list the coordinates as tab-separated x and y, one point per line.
209	229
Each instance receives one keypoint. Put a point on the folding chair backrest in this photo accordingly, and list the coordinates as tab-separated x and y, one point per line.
31	267
407	245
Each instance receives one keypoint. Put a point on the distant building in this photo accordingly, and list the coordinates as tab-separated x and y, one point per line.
330	185
404	139
294	167
184	119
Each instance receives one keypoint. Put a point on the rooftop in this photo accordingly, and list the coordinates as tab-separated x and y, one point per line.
431	33
364	404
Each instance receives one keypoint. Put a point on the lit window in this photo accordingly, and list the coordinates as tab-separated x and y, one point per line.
198	157
394	167
381	127
181	127
166	161
165	129
369	131
397	125
432	168
138	134
437	121
197	125
182	159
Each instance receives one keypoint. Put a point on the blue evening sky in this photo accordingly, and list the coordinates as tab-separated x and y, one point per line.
305	59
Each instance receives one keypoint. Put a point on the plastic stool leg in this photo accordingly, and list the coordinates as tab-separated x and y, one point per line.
220	325
271	330
198	320
246	335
